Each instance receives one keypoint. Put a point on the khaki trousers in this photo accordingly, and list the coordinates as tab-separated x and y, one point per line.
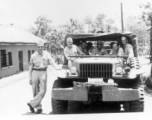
39	84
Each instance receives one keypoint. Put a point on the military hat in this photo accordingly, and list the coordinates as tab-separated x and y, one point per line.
40	43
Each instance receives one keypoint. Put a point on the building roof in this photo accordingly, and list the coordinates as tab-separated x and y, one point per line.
11	34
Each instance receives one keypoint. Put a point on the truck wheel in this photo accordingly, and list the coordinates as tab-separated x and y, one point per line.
59	106
134	63
138	106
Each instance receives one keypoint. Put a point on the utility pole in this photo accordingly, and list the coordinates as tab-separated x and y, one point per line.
122	24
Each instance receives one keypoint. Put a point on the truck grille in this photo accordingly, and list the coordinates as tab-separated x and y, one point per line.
96	71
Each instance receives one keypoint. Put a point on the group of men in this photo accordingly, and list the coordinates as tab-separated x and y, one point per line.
41	59
73	50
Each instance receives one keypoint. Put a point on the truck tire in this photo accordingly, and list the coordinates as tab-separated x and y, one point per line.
138	105
134	63
59	106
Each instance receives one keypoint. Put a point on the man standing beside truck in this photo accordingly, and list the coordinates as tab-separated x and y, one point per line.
38	76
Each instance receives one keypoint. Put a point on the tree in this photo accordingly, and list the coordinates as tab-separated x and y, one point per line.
138	27
43	26
88	20
91	24
110	25
147	13
99	21
147	18
73	26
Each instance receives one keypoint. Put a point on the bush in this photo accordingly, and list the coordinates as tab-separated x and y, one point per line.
148	82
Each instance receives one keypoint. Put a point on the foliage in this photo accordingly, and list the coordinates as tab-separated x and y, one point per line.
99	21
147	13
137	26
55	35
73	26
43	25
147	18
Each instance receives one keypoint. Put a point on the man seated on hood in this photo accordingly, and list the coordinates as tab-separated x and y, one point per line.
128	48
71	50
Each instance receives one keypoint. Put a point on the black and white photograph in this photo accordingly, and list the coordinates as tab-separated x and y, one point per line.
75	59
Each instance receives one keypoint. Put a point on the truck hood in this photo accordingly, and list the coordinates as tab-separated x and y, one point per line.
99	60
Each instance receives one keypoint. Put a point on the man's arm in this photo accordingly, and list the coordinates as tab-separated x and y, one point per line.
120	52
111	52
103	52
66	54
131	52
93	52
79	51
51	61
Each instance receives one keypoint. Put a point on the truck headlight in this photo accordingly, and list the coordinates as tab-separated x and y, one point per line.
119	70
127	70
73	70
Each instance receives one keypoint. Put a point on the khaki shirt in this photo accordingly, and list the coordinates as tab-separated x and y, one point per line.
43	60
71	51
84	50
120	52
128	50
95	51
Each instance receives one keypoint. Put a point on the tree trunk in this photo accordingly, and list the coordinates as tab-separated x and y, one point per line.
151	44
151	41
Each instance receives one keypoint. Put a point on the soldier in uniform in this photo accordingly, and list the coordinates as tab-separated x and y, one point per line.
116	50
38	76
99	50
71	50
83	48
128	49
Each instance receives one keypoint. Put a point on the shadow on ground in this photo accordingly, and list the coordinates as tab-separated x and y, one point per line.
29	113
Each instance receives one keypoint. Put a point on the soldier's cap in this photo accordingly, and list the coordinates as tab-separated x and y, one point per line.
40	43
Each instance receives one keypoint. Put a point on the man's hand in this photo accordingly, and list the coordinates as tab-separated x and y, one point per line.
58	67
30	82
72	59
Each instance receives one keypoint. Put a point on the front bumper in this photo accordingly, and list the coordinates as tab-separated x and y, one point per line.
82	94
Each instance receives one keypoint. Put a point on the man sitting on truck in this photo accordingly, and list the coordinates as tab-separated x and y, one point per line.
83	48
116	50
71	50
99	50
128	48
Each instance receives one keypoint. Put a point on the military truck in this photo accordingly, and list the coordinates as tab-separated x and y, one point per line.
108	79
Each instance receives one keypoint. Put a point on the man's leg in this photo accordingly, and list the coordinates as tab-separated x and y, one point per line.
43	87
35	88
36	102
35	83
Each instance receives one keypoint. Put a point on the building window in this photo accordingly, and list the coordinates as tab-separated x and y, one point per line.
32	51
29	55
10	63
6	59
3	58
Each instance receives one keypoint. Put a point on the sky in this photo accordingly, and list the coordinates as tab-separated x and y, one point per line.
23	13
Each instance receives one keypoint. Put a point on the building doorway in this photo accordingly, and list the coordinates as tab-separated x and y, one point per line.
20	56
